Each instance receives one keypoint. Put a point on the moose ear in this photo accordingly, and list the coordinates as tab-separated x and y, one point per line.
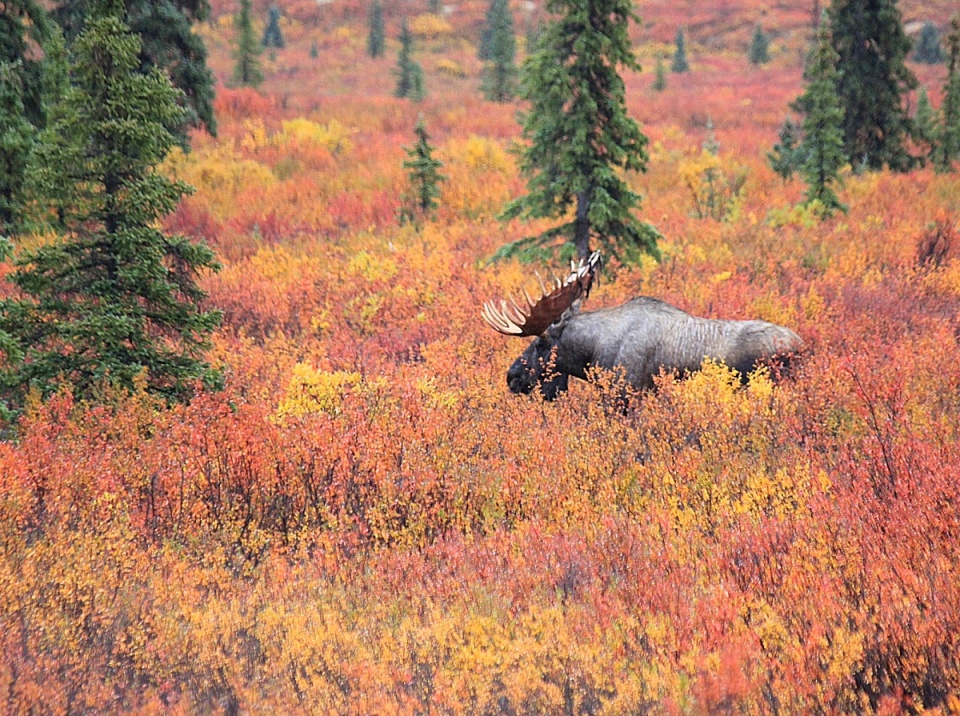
556	328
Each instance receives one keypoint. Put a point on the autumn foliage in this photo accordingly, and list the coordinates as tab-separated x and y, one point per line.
366	521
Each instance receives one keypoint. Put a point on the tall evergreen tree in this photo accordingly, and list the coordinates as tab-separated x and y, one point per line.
872	78
24	29
485	47
759	51
786	156
16	138
376	37
680	63
948	141
58	188
822	145
167	41
928	50
500	74
418	85
660	76
424	175
113	298
532	35
272	35
409	73
925	123
580	135
246	71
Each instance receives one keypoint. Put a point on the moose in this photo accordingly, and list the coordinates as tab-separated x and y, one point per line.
637	340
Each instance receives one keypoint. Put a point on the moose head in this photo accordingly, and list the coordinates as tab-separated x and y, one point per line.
544	319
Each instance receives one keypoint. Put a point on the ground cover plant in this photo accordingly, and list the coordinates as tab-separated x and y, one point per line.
365	520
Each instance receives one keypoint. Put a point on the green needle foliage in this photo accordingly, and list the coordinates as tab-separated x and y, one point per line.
500	73
580	135
424	175
928	49
16	139
112	299
925	122
376	38
947	150
822	145
660	76
246	72
786	156
167	41
409	73
680	63
872	79
24	28
759	51
272	35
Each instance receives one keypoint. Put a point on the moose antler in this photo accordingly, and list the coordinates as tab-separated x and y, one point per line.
512	319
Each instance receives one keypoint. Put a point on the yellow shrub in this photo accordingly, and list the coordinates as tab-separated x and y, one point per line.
481	154
720	475
254	135
450	68
714	183
297	133
315	391
372	268
218	174
430	27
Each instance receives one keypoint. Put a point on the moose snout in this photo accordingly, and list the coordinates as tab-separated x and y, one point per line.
519	379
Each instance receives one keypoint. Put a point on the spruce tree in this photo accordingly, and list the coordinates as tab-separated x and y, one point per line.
660	76
409	73
23	30
424	176
948	142
113	299
418	85
246	71
532	35
500	74
376	36
786	156
484	47
57	186
16	139
167	41
759	52
680	63
711	144
822	144
925	123
928	50
580	135
872	79
272	35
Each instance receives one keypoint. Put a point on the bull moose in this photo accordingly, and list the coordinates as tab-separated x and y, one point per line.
638	339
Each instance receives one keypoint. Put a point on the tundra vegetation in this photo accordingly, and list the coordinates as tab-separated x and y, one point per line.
365	520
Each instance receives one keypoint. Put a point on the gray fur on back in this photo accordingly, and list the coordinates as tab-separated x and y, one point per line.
645	336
